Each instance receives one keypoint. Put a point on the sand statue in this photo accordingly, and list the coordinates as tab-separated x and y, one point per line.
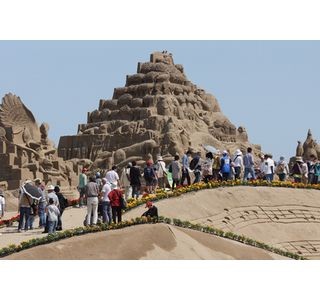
25	150
299	150
158	111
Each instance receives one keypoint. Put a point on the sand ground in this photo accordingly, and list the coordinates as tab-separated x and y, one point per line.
286	218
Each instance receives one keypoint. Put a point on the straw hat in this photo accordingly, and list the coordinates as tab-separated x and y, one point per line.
238	152
299	159
50	187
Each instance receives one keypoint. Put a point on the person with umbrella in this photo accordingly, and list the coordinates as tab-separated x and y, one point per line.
29	197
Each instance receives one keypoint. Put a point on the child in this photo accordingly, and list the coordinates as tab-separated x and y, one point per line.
52	214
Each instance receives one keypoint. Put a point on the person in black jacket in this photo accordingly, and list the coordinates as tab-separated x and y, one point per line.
152	211
63	203
135	180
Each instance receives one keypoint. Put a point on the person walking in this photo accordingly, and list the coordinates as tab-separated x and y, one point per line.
105	201
185	168
53	214
297	170
311	169
92	194
216	166
196	166
135	179
115	202
248	163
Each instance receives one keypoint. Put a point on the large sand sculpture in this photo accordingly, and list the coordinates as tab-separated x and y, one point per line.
159	111
25	150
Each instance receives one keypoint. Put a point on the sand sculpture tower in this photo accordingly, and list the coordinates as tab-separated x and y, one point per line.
158	111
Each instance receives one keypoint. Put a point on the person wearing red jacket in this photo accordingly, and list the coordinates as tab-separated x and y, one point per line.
115	202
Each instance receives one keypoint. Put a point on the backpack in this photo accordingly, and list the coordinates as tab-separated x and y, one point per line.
148	173
280	168
194	163
317	169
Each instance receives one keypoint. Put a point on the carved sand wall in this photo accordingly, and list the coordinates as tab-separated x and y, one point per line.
25	150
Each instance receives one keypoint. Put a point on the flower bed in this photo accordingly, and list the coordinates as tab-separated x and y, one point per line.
176	222
9	222
160	194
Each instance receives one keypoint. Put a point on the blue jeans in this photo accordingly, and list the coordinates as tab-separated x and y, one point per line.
135	191
106	212
42	214
269	177
248	171
24	214
30	221
52	225
197	177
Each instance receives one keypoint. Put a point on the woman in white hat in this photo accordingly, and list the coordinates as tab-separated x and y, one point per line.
161	172
237	163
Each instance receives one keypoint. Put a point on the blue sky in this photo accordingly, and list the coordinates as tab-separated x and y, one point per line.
270	87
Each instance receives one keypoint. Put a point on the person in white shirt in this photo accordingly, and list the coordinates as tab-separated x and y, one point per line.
125	181
113	178
237	164
269	168
2	204
105	201
53	195
161	172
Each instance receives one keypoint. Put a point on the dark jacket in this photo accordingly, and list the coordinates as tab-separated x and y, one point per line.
152	212
63	202
135	176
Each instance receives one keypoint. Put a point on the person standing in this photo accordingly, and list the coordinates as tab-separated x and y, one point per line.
24	209
92	194
248	163
185	168
63	204
42	203
237	164
269	168
282	169
311	169
115	202
195	165
216	166
125	181
113	177
208	168
225	167
105	201
176	171
2	204
161	172
150	177
135	180
296	170
83	180
53	213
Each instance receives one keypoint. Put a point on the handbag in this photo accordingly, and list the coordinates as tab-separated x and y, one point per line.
123	202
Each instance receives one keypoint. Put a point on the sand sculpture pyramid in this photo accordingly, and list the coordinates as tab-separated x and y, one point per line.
158	111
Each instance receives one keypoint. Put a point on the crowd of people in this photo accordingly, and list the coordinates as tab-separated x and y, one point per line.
104	194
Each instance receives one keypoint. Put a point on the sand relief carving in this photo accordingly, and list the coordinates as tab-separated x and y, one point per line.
26	152
138	113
